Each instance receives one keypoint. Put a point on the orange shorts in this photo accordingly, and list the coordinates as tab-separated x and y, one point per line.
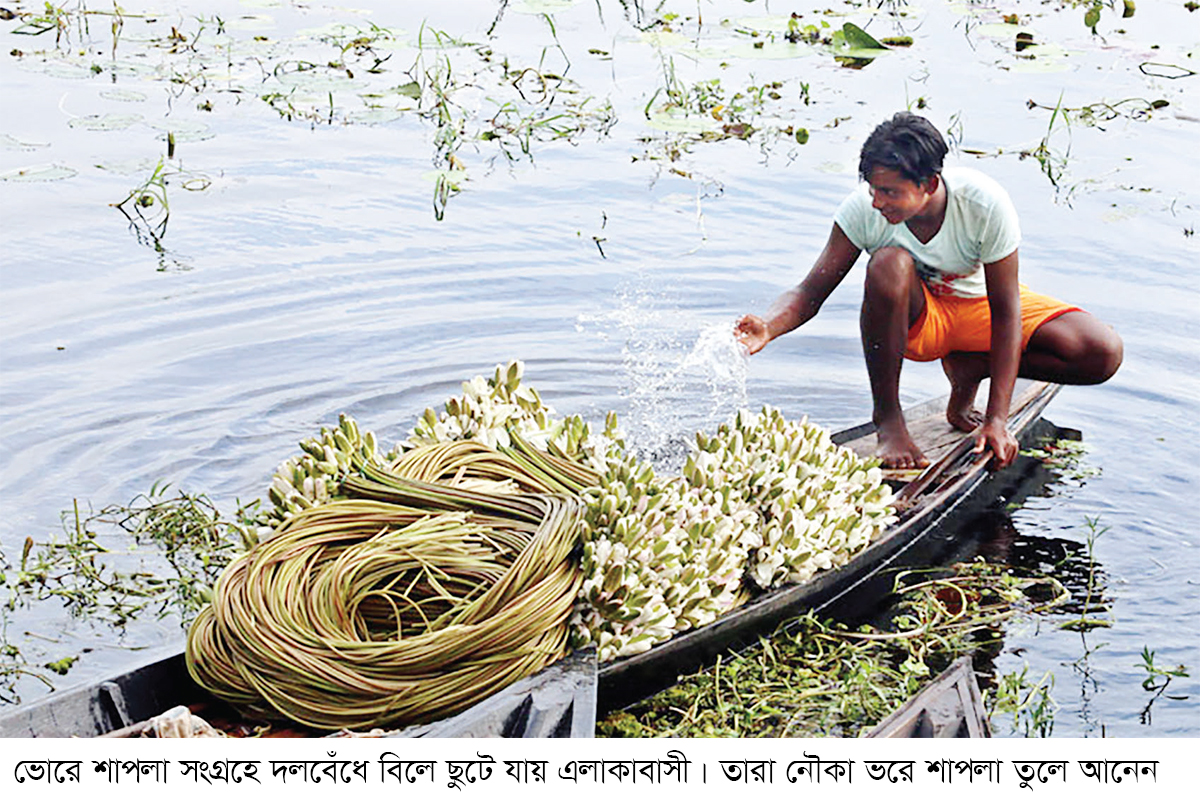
965	324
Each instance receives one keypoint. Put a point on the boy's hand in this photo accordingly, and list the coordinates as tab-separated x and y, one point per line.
752	332
993	434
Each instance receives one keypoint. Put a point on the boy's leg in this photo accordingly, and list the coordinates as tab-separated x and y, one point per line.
965	371
893	300
1074	348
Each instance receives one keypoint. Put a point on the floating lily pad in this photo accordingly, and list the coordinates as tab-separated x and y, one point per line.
374	115
672	119
543	6
38	174
411	90
452	176
121	94
318	81
250	22
127	68
14	145
139	166
59	70
770	50
185	131
776	24
1042	59
832	167
390	36
682	202
105	123
997	30
1122	213
668	39
1163	70
861	53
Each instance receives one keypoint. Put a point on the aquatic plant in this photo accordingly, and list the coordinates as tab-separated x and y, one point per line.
361	614
1091	602
816	677
1152	684
177	546
1030	705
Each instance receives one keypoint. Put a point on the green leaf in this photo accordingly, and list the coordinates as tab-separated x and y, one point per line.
858	38
1092	17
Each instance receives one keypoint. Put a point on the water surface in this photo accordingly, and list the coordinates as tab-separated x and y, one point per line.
304	270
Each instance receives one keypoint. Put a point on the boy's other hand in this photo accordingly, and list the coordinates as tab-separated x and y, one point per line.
994	435
752	332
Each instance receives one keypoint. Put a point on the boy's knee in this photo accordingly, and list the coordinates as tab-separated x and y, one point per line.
890	268
891	259
1099	353
1108	350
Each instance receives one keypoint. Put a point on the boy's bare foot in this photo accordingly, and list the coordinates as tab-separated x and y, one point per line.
897	449
965	372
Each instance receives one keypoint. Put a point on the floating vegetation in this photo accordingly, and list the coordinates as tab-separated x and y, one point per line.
156	556
1066	458
1152	684
104	123
191	541
38	174
12	144
707	111
1029	704
1093	599
122	94
147	207
817	678
340	74
1053	161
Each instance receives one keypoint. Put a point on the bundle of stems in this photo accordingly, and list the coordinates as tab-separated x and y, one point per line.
406	603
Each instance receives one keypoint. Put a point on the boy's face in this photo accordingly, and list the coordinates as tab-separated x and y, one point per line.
898	198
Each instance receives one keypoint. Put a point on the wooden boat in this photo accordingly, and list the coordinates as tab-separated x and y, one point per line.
927	506
563	700
948	706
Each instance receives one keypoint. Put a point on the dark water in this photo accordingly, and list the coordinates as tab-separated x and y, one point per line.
303	272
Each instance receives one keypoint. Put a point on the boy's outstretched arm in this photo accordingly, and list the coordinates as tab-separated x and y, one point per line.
1004	358
797	305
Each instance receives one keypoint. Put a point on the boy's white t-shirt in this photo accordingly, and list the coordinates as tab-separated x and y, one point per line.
980	227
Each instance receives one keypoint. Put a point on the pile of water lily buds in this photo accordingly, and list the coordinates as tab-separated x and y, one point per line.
490	410
761	502
312	477
659	557
818	503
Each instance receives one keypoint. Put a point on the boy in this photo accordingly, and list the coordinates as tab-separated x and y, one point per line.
941	284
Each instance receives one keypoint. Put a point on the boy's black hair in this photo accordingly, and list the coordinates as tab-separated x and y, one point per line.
908	144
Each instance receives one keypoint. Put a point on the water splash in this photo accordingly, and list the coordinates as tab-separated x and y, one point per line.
680	376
